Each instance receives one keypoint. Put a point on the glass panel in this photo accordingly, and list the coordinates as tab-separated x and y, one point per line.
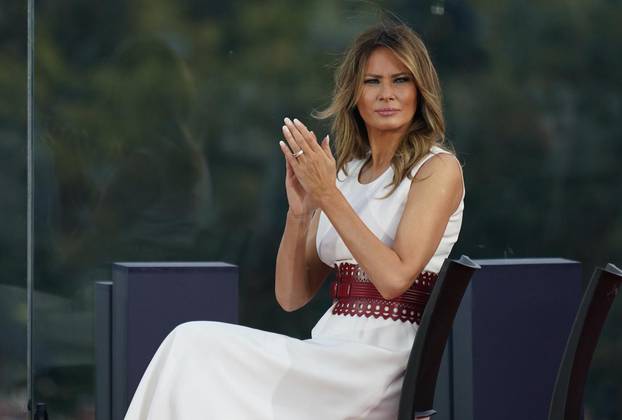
158	125
13	127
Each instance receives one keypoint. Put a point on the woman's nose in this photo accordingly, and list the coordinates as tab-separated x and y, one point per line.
387	91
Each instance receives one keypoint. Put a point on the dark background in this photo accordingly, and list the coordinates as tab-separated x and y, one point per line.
156	137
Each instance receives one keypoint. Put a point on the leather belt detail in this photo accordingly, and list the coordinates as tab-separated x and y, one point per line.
356	295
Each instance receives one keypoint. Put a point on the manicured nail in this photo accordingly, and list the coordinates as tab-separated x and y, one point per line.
287	120
296	121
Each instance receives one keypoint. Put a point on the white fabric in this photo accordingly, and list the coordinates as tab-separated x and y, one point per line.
350	368
382	216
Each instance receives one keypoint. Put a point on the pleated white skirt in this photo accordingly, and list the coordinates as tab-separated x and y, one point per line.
351	368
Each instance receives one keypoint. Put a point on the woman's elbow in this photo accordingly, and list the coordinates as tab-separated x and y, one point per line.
287	308
286	304
283	304
392	290
395	288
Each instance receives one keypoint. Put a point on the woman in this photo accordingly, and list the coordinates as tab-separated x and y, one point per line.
385	223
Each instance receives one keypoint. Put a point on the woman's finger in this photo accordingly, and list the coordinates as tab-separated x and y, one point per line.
307	135
288	168
291	140
293	162
297	137
326	147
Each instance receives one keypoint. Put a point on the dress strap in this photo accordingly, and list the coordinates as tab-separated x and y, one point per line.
434	150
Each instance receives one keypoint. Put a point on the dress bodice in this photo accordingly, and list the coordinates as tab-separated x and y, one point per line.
382	216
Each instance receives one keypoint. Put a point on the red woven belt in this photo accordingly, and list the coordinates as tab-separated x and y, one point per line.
357	296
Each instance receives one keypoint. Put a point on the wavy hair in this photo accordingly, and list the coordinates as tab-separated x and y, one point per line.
427	127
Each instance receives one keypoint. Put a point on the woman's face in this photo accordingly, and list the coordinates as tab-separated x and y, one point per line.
387	84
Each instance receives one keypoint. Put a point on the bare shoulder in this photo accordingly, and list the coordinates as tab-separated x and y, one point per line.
439	178
441	165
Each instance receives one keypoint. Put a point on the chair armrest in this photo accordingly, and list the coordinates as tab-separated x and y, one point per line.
424	414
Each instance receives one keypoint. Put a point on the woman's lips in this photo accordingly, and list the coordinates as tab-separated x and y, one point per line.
387	113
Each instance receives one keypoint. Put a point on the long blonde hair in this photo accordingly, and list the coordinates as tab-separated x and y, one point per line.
428	125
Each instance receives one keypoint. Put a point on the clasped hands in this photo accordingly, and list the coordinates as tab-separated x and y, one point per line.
310	176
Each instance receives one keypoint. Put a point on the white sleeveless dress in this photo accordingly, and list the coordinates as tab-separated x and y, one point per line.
351	368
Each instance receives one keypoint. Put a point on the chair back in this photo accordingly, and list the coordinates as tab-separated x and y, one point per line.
417	397
567	399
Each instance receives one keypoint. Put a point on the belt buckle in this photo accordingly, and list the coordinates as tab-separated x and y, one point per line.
333	290
340	292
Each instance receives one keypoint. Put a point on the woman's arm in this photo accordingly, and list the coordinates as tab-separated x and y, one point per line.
299	270
434	195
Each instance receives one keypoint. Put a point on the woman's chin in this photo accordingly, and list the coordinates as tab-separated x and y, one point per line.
389	125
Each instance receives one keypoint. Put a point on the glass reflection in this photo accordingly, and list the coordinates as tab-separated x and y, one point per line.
13	123
157	139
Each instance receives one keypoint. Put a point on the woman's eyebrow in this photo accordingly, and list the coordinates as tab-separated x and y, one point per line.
380	76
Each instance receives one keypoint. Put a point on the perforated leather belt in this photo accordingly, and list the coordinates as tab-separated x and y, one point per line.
356	295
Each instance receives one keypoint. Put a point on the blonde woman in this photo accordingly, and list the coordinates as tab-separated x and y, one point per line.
383	213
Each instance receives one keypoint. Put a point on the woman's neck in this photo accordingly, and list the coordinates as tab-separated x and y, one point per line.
383	145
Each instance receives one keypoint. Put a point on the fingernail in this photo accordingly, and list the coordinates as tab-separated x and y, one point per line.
328	138
281	142
296	121
287	120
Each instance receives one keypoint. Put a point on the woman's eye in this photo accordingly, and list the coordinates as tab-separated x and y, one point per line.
401	79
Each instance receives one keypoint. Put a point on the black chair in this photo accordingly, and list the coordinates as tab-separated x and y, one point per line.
567	400
417	397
